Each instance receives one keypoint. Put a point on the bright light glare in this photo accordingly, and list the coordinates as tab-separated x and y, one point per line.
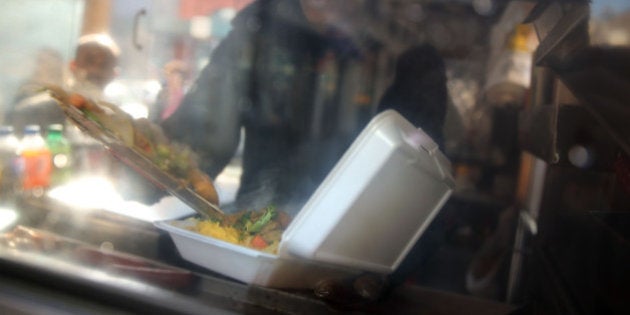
227	14
114	90
200	27
98	193
153	87
8	216
87	193
136	110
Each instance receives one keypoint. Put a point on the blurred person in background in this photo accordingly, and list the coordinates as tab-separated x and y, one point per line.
48	69
297	76
175	85
31	104
93	66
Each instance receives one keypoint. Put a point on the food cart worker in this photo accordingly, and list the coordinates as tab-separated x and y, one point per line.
93	67
272	75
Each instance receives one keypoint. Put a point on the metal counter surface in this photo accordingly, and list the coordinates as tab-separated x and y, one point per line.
46	277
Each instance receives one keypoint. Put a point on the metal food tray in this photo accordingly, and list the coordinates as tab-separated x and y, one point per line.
141	164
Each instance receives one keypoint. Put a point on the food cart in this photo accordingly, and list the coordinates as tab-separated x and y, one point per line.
520	208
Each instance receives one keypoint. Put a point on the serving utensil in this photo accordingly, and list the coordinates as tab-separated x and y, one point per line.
135	160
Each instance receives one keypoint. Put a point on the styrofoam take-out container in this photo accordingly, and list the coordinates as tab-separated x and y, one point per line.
365	216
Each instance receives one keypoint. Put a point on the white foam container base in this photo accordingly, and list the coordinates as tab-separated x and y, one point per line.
365	216
249	265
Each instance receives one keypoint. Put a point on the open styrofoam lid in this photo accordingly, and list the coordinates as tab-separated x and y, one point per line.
376	202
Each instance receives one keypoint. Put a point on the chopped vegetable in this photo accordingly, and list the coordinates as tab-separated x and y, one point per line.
91	116
77	100
242	221
259	230
258	242
255	227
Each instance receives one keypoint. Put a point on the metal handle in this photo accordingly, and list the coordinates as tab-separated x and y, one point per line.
136	23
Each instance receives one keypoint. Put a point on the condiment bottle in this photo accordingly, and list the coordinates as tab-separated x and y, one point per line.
36	161
61	154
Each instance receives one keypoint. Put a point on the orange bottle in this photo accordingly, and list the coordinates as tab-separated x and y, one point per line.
36	160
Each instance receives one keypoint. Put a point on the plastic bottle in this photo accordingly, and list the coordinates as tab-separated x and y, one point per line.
61	154
9	161
509	72
36	161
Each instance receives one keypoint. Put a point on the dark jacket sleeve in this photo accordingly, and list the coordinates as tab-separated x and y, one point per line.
209	118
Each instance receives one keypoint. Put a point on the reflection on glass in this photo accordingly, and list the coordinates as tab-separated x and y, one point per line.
8	216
